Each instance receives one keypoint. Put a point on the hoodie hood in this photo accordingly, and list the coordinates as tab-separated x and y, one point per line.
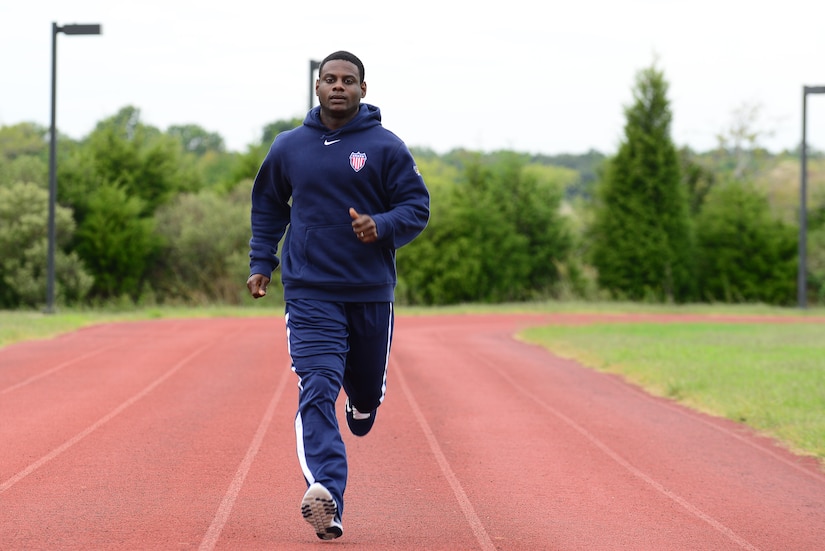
368	116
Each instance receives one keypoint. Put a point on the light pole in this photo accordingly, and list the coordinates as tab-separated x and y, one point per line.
313	66
66	29
802	282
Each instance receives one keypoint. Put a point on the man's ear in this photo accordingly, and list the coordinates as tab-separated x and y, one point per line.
363	89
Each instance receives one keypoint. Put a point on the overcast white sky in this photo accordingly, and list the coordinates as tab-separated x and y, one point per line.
538	77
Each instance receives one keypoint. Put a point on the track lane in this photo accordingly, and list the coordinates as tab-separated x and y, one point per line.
483	442
560	444
150	473
66	399
396	497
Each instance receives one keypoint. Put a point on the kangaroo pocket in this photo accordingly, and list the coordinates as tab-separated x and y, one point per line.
334	255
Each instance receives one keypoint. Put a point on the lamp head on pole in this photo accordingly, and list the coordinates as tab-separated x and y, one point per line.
80	29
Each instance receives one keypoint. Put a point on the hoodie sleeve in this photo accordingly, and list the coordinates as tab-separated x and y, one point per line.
409	208
269	216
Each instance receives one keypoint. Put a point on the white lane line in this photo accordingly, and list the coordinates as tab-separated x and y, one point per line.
715	426
57	368
692	509
210	539
100	422
463	501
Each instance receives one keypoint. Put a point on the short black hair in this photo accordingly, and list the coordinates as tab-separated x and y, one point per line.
345	56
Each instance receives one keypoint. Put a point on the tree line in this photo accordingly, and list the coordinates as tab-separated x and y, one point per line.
147	216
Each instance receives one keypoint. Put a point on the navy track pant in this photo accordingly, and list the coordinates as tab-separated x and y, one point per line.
335	345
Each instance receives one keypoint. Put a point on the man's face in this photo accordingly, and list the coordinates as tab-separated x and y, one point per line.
338	88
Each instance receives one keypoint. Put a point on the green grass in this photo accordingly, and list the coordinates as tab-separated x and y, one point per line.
27	325
770	376
614	308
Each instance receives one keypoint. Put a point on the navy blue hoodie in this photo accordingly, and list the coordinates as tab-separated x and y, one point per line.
308	182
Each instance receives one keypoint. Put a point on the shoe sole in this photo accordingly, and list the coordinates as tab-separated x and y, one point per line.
319	510
359	427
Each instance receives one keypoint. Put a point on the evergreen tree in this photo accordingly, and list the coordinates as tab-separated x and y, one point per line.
745	254
642	233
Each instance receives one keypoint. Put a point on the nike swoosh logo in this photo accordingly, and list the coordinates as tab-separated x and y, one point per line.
332	142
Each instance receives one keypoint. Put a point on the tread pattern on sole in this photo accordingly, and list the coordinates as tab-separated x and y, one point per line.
319	510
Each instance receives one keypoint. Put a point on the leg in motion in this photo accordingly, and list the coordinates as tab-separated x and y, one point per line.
365	376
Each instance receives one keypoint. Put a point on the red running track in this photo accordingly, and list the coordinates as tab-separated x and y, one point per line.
178	435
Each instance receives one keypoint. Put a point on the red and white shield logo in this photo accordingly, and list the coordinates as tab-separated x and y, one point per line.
357	160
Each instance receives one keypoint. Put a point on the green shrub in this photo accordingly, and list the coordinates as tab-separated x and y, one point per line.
744	253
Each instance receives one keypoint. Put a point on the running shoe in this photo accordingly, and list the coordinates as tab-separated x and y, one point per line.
319	509
359	423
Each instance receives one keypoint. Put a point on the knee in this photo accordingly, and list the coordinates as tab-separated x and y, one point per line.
319	386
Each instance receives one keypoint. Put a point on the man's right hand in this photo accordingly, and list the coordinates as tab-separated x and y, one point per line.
257	284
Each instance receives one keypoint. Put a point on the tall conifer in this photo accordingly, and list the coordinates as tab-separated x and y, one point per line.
643	246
